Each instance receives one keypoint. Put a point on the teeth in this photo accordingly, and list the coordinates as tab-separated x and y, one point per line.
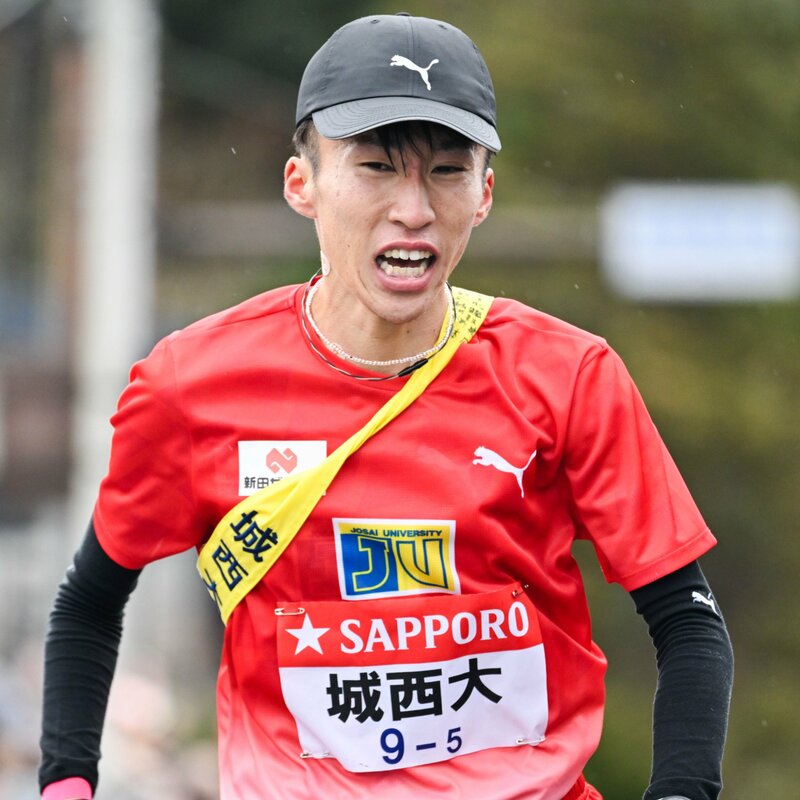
407	255
403	272
420	259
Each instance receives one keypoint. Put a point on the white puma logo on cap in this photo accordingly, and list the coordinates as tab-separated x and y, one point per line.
402	61
488	458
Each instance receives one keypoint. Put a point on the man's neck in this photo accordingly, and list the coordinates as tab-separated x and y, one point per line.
361	332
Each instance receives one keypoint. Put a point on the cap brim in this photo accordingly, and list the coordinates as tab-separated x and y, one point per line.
358	116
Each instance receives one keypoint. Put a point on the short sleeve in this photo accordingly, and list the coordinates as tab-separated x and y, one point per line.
629	498
145	508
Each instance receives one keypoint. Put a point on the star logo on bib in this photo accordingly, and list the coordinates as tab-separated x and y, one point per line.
307	636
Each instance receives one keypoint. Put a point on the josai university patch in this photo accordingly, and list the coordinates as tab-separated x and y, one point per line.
395	557
395	683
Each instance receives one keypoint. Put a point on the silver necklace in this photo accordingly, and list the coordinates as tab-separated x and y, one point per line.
342	353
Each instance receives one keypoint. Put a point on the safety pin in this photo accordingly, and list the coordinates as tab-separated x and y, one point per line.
306	754
282	612
525	740
518	592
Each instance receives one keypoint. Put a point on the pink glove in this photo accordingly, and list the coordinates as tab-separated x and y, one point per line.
68	789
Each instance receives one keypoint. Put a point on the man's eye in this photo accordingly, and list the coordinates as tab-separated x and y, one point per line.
449	169
378	166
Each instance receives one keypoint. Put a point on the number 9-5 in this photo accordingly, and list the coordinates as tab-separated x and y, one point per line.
393	744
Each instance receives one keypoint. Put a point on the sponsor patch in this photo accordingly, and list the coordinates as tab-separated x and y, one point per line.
395	557
262	463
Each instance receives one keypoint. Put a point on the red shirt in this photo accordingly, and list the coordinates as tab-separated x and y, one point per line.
533	436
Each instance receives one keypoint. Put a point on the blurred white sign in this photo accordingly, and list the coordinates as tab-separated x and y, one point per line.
701	241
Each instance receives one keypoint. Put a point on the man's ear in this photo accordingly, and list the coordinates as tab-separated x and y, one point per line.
298	186
486	200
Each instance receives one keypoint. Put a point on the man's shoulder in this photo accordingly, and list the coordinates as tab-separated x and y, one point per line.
255	309
517	321
226	337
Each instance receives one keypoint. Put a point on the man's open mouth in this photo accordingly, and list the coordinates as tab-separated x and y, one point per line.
399	263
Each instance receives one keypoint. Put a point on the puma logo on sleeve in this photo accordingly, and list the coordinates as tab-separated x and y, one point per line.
708	601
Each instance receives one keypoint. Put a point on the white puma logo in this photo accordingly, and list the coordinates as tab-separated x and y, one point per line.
709	601
488	458
402	61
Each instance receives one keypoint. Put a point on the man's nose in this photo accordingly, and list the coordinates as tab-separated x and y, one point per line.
411	204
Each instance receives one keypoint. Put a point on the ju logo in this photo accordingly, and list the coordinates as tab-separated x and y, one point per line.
395	557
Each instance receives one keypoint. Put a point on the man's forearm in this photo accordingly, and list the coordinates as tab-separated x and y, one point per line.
80	658
695	675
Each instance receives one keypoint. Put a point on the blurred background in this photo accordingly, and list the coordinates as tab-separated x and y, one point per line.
647	190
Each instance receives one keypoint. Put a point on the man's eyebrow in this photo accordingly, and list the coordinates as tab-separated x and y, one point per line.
456	147
446	143
367	138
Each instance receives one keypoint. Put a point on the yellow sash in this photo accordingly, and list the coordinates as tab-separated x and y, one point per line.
251	537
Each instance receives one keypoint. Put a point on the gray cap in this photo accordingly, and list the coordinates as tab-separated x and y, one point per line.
393	68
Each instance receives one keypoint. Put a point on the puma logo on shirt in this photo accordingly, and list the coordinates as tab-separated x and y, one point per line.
488	458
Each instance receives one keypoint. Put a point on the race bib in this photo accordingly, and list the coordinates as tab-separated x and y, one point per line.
399	682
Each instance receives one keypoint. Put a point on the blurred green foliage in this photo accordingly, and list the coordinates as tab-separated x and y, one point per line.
589	94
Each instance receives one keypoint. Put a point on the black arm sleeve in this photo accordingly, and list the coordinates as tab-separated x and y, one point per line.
695	676
79	661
